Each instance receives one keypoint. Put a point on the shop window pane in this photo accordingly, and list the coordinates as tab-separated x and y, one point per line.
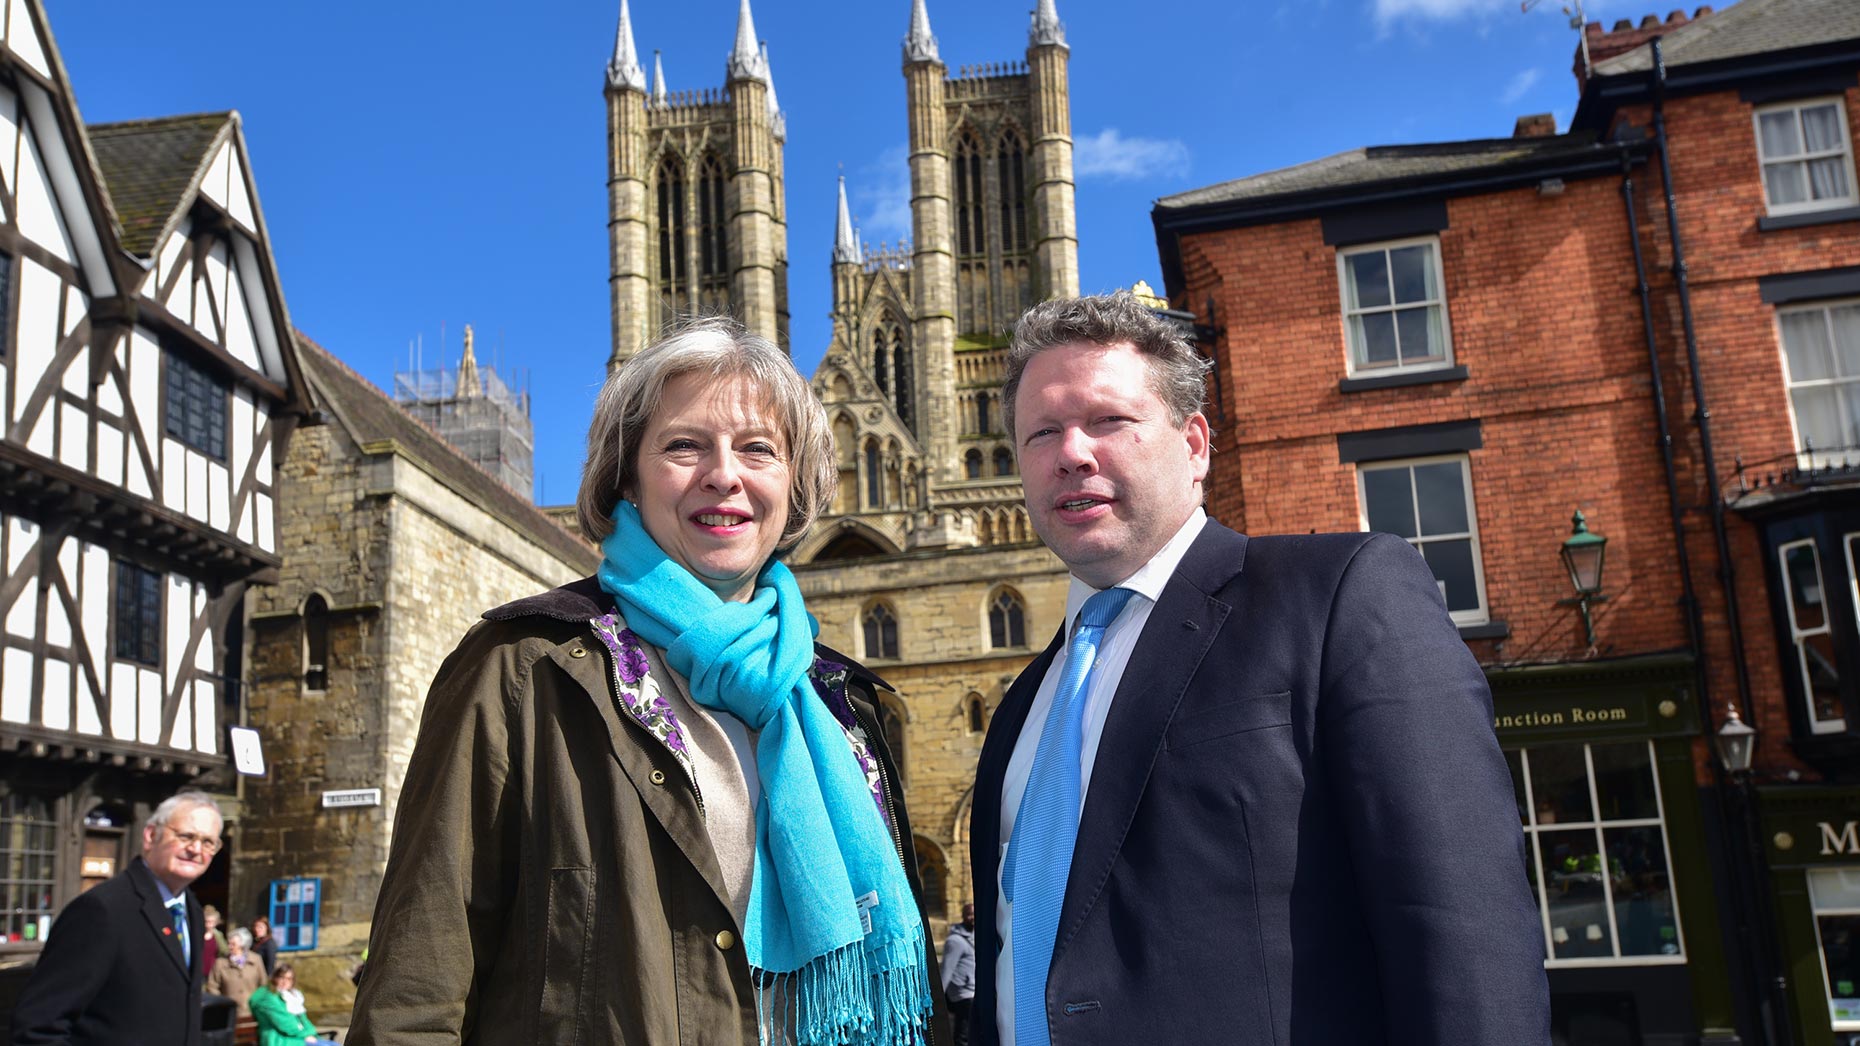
1624	781
1560	784
1643	890
1840	951
1572	875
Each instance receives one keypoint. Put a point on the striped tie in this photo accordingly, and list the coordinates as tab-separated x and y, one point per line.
1039	857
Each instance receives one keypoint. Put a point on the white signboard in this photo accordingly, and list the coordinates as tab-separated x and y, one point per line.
248	752
351	797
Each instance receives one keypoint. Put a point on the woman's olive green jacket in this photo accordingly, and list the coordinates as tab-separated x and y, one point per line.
551	880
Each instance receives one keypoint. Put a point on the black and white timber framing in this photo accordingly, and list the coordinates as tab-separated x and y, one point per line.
148	385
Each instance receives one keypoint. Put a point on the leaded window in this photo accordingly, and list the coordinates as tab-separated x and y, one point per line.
1007	621
28	866
137	621
880	626
194	410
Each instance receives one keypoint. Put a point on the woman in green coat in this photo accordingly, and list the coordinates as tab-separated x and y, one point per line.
277	1025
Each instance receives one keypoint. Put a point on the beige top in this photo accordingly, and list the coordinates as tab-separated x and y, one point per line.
723	756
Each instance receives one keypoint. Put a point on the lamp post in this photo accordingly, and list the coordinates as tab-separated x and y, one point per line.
1584	555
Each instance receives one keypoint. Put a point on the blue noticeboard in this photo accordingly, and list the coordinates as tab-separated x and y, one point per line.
296	911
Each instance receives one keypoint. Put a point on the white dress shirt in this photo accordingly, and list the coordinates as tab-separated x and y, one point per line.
1119	639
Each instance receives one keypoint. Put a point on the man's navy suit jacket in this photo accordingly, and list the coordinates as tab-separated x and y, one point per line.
1299	827
109	973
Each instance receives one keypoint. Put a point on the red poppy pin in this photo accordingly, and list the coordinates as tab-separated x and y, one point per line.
167	931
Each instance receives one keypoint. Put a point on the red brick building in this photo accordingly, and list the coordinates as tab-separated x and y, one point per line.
1464	343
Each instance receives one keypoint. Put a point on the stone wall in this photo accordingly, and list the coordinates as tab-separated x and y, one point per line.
406	565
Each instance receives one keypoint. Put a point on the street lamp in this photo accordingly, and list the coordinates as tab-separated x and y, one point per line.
1736	742
1583	556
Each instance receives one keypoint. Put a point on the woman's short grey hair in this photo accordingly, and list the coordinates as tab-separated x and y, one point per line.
721	348
179	801
1177	372
241	937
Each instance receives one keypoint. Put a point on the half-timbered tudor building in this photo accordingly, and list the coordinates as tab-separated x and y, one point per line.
147	387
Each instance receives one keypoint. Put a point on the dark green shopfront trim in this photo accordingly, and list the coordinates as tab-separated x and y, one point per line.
1804	827
1654	699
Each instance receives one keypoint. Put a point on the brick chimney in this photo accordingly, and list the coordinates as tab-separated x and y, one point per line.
1626	36
1537	125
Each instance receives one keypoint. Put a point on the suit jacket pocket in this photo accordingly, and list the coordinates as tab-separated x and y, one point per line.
1254	712
568	931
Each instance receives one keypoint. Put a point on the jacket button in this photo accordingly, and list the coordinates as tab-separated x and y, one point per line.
725	940
658	777
578	652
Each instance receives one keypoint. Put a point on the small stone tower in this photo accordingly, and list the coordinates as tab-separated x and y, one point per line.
696	218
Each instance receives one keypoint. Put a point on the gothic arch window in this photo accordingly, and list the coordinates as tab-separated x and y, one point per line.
985	528
881	360
984	419
972	464
901	379
713	232
1004	462
1011	169
970	228
1007	620
874	476
674	285
975	712
933	869
316	643
844	442
879	626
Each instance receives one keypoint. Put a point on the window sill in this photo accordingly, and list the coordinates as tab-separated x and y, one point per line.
1396	381
1489	630
1773	222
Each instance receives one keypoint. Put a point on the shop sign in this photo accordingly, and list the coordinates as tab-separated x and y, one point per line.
1841	839
1810	825
351	797
97	867
1576	714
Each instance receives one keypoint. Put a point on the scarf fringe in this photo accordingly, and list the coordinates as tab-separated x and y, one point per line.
858	995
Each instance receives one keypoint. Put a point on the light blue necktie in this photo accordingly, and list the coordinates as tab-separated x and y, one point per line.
1039	857
178	909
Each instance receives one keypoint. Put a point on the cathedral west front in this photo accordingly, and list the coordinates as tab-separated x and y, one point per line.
925	567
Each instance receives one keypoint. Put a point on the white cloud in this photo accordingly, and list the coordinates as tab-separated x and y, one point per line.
1520	85
879	194
1108	154
1389	10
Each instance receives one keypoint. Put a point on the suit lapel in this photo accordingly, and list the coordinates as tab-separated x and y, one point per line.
161	924
1181	629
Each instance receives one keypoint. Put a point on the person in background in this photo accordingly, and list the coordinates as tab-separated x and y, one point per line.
214	944
277	1024
959	972
238	973
264	944
121	966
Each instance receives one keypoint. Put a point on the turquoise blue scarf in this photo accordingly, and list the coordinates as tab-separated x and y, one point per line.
821	844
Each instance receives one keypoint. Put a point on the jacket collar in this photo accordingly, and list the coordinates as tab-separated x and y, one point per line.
155	911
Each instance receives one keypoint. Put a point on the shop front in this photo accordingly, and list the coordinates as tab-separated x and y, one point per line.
1601	758
1811	840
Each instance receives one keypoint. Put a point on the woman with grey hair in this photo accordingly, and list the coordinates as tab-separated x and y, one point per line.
238	973
648	807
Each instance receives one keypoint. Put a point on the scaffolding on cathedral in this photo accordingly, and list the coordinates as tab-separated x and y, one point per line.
477	412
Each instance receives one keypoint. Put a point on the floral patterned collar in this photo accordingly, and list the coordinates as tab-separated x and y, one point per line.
640	696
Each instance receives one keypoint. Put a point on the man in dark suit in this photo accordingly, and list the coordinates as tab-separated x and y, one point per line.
1251	792
122	965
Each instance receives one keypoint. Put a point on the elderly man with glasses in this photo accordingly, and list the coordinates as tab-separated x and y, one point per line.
122	964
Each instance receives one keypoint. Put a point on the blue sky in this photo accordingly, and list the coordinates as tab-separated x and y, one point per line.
422	167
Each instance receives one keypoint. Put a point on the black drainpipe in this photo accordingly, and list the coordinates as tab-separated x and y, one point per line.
1773	1003
1727	577
1695	625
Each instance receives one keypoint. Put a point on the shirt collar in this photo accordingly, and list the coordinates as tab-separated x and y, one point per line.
1150	578
168	897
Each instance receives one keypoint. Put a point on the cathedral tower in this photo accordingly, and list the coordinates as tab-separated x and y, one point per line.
696	218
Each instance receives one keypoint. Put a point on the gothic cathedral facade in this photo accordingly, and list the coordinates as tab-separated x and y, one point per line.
925	566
